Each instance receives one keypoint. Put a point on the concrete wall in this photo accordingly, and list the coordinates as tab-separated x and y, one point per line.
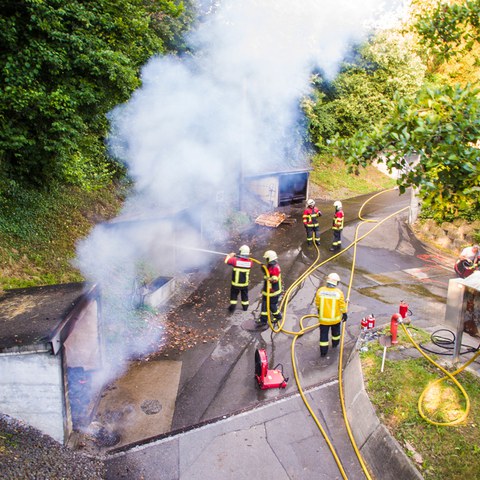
31	390
157	296
266	188
462	313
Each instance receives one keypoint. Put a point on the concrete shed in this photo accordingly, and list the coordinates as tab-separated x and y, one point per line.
280	187
51	346
43	330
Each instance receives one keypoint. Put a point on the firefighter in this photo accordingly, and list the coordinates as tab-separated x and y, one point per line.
311	215
332	310
272	289
468	261
241	264
337	226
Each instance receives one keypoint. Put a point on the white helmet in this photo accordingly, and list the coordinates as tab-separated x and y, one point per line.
270	256
244	250
311	202
337	205
333	279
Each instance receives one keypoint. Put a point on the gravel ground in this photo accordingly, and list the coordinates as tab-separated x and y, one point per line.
27	454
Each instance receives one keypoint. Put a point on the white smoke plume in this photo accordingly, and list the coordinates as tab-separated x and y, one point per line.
199	121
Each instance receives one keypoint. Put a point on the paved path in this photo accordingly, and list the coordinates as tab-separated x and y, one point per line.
226	427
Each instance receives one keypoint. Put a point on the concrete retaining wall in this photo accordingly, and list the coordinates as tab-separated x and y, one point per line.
31	390
381	452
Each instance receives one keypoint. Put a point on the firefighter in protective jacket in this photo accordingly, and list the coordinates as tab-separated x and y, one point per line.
241	264
272	289
337	226
332	310
311	215
468	261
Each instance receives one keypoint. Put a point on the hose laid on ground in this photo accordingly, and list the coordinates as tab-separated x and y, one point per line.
448	376
279	328
446	344
342	337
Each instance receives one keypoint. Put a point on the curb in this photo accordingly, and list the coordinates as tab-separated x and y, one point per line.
382	453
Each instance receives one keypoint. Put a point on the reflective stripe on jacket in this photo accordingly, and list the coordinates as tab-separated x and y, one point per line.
241	271
338	218
330	303
274	278
310	216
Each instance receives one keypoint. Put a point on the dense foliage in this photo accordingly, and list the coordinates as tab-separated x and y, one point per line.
439	126
63	66
438	130
363	91
450	30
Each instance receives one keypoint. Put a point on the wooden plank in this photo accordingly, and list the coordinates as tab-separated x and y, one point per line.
273	219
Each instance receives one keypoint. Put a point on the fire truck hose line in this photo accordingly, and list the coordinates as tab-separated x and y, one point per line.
278	327
448	376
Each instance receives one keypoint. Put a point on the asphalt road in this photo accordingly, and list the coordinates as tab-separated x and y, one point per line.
222	425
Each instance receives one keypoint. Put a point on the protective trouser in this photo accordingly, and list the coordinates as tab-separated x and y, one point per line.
324	329
337	239
274	309
313	231
234	291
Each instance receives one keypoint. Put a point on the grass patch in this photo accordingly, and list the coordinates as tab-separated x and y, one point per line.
440	452
332	175
39	231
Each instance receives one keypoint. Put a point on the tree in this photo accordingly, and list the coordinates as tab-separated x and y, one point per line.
63	66
442	127
360	96
450	30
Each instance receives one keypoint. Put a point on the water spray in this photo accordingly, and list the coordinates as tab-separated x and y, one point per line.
204	250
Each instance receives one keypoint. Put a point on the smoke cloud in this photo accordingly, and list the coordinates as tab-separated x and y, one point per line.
198	122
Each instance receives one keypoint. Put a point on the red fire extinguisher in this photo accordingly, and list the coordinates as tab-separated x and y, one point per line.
364	323
367	323
403	309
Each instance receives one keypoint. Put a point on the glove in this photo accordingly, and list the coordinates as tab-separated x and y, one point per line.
344	317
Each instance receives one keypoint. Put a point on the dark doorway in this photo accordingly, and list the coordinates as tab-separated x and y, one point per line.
292	188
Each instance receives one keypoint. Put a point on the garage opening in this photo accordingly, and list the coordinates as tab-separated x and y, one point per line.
293	188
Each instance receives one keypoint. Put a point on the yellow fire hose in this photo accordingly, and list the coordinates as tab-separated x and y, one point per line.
278	328
448	376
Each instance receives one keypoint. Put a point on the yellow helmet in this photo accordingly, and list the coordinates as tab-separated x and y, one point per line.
244	250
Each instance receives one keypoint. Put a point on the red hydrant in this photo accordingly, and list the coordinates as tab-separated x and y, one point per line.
394	321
